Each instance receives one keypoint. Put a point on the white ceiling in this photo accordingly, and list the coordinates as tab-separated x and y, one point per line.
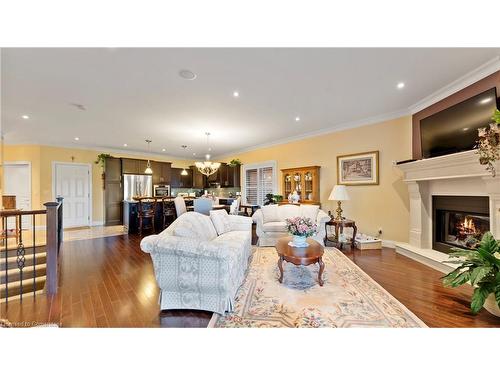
134	94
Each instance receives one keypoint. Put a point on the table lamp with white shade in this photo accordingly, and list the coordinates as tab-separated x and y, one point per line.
339	194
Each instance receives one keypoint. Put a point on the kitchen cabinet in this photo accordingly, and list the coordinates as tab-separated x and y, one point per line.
175	178
187	180
234	176
199	180
130	166
113	192
161	170
180	181
161	173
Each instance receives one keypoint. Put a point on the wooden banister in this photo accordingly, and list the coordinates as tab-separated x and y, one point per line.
54	238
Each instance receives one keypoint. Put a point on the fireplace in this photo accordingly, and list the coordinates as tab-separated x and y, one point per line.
459	221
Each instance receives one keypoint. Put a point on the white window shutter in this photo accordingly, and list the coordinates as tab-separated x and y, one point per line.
258	183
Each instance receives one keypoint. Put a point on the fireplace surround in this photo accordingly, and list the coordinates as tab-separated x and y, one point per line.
461	178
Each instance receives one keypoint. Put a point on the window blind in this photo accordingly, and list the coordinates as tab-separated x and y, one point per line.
258	183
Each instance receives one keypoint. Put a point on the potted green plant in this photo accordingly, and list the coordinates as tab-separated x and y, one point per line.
101	160
234	163
481	268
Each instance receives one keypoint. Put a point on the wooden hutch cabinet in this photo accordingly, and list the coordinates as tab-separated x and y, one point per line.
303	180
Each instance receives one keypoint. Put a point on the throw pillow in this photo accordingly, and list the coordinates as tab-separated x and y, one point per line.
195	225
221	222
310	211
270	213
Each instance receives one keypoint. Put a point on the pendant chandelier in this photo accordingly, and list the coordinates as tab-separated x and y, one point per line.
207	167
148	166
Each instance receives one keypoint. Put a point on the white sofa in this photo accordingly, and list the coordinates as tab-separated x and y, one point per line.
271	223
195	267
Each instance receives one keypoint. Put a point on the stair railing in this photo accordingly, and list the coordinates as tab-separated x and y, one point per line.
54	224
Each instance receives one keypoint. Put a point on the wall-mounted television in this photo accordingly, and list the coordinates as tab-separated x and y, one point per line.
455	128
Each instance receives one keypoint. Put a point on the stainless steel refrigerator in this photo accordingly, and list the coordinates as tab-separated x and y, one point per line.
137	185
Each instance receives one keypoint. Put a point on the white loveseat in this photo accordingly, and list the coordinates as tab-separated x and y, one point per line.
195	267
271	223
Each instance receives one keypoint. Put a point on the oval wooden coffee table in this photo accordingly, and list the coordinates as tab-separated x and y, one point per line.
304	256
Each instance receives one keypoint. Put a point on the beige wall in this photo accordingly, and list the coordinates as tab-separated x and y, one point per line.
42	157
385	205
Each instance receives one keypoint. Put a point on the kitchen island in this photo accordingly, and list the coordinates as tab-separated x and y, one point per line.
131	215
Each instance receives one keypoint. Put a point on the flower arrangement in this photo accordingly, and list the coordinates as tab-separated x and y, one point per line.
488	144
301	226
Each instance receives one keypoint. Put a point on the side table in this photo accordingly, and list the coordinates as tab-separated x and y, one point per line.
340	225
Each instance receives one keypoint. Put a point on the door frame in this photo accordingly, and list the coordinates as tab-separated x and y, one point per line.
89	176
28	163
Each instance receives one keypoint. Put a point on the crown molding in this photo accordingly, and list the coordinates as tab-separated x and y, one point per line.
467	79
91	147
332	129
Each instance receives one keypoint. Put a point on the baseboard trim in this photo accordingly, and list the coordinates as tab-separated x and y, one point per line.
388	243
97	223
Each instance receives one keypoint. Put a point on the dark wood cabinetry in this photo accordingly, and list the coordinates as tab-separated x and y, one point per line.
161	170
133	166
233	176
180	181
227	176
113	192
187	180
199	180
162	173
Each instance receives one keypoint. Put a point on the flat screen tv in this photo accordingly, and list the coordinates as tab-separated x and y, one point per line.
455	129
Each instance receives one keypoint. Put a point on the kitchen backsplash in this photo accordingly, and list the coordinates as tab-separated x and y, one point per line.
219	192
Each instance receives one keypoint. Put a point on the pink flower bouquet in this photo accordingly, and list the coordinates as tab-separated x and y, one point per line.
301	226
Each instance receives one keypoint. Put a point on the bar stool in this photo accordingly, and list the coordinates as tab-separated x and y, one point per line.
146	212
169	212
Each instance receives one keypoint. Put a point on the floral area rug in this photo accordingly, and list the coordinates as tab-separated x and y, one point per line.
348	298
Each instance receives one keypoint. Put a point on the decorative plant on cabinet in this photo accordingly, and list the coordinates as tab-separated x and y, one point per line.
101	160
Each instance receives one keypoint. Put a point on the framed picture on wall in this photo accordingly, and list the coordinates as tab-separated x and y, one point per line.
358	169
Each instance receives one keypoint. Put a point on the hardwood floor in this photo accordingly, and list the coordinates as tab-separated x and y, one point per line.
109	282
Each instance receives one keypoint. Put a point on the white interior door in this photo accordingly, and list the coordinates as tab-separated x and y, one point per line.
18	182
72	182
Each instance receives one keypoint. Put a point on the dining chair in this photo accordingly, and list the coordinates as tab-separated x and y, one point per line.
235	207
146	214
180	206
169	211
203	205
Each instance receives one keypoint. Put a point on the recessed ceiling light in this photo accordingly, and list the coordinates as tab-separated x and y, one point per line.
77	139
400	85
187	74
236	94
194	153
465	129
297	118
485	100
25	117
164	149
125	145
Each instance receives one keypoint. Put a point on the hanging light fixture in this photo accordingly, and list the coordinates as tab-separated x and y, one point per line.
184	172
207	167
148	166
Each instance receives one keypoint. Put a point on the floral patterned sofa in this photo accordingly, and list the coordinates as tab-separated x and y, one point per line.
271	223
200	261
